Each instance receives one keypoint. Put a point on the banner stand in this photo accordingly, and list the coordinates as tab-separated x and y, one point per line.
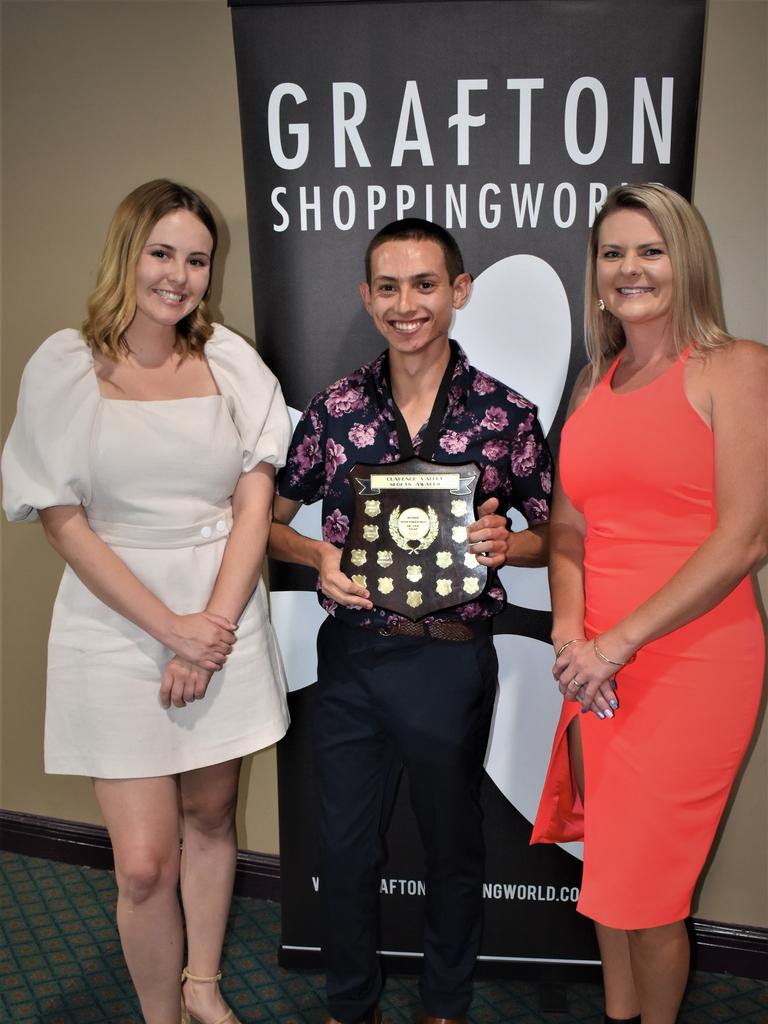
507	122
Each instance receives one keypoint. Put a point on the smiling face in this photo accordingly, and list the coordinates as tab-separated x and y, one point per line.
410	297
173	270
633	269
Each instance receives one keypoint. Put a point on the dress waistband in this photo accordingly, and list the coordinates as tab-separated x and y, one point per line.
125	535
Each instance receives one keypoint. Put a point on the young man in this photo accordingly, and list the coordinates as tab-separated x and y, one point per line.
391	691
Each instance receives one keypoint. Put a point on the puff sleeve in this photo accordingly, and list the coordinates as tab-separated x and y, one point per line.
253	397
46	457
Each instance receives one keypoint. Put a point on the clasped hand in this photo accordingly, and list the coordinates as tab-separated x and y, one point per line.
182	683
583	677
205	639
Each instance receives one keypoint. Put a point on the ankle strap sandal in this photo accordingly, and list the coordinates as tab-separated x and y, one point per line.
186	1016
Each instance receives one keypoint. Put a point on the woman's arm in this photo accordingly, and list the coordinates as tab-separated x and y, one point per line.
237	579
567	529
243	559
566	569
736	383
205	638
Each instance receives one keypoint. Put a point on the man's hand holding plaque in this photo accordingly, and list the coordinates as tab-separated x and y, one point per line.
336	584
489	535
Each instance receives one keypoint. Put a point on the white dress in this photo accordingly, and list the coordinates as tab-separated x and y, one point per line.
155	479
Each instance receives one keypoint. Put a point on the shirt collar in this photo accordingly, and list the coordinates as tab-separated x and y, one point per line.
459	380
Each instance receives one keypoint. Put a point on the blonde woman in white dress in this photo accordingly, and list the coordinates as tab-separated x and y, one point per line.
147	445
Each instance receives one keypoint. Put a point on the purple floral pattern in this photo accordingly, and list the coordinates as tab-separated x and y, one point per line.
353	421
336	527
334	456
483	384
536	510
522	403
362	435
495	419
344	397
495	450
453	442
308	452
491	479
524	455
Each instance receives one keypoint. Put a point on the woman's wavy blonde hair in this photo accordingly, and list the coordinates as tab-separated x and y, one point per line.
112	305
697	307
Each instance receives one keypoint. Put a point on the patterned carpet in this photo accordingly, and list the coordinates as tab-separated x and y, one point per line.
60	963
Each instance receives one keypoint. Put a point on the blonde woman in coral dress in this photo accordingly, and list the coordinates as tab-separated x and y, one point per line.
147	445
659	518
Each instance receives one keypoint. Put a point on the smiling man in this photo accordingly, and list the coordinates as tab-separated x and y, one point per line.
390	691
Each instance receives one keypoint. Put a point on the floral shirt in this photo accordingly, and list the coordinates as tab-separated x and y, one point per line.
353	421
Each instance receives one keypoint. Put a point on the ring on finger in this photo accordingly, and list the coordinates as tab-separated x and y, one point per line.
574	684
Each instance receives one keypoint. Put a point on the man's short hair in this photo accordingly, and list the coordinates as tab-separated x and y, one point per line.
417	229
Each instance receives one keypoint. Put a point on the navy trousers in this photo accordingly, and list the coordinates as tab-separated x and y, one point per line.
381	703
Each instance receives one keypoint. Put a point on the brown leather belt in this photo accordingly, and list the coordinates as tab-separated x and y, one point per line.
457	631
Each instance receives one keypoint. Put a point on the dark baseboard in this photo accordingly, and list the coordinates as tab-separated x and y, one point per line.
730	949
76	842
718	948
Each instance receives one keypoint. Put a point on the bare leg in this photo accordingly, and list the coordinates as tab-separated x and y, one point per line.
208	801
621	997
142	818
660	964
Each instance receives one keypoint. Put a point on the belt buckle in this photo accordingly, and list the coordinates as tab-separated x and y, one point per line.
386	630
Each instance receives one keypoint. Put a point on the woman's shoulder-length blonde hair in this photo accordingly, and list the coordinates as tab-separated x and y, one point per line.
112	305
697	308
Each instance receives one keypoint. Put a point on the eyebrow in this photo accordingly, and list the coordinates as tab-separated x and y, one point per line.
642	245
172	248
421	276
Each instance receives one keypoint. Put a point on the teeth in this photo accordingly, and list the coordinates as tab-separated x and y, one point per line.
635	291
406	325
175	296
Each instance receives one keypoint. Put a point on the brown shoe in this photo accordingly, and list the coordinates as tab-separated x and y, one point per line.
373	1018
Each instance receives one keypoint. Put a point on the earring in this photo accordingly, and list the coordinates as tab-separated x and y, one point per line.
601	305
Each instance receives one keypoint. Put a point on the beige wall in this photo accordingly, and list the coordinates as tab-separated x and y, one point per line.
731	190
100	96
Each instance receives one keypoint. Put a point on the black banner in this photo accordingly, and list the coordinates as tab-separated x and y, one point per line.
506	121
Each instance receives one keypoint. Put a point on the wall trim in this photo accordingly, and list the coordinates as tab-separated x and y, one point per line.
717	947
730	949
76	842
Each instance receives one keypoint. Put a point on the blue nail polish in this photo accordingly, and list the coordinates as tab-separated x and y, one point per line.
584	710
614	703
613	683
600	714
608	713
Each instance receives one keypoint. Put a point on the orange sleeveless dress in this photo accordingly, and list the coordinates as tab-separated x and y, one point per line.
640	467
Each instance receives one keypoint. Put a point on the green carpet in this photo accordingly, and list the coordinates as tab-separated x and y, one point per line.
60	963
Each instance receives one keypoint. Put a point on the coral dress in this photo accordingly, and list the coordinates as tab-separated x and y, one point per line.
640	467
155	479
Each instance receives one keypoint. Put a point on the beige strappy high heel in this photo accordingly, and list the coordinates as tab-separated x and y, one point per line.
186	1016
